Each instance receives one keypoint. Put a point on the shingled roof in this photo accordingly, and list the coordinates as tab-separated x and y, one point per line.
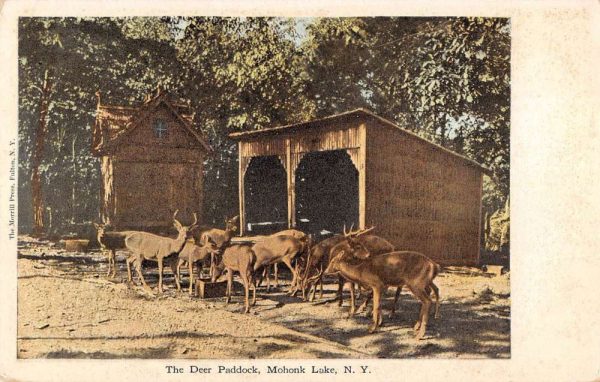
113	123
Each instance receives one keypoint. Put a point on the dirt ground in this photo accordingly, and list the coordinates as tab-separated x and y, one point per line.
67	308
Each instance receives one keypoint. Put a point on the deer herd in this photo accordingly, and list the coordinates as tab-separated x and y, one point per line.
355	257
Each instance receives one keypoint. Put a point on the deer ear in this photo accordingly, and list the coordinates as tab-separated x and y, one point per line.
177	224
96	225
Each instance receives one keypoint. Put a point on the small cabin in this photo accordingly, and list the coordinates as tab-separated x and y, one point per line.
359	169
151	158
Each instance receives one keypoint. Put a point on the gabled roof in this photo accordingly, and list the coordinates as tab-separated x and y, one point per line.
356	114
114	123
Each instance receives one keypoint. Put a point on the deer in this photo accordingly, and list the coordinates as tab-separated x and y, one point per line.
320	256
148	246
266	273
398	268
315	262
191	254
220	238
280	249
110	242
238	258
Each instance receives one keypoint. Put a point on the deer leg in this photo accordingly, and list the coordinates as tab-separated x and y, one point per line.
396	297
436	293
276	275
267	275
114	261
179	264
364	305
352	301
253	281
138	267
128	262
229	285
340	293
160	275
312	291
213	265
288	263
191	276
321	290
303	286
174	269
244	277
376	310
173	264
422	295
107	254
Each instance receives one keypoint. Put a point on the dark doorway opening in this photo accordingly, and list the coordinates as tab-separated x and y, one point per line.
265	193
326	192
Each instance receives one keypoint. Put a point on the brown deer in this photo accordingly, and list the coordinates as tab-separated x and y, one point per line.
280	249
221	238
148	246
266	273
110	242
238	258
316	261
399	268
191	254
320	256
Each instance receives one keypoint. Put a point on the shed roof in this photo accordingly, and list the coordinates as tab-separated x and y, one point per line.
113	123
359	114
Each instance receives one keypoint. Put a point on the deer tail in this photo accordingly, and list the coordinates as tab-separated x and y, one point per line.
434	270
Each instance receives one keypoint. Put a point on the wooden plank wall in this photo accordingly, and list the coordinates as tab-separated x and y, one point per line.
421	198
147	194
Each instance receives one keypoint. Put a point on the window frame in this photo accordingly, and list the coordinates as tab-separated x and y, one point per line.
160	128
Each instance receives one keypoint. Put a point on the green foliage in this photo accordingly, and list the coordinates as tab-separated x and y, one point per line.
447	79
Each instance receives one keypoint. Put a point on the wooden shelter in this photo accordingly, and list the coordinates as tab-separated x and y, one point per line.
358	168
151	162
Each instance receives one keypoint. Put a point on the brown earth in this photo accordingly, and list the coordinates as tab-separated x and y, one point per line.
67	308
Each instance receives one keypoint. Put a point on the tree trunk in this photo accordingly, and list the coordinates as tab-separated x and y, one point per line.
38	156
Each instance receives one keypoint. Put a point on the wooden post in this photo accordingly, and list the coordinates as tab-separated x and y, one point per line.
362	177
291	192
241	172
108	210
478	253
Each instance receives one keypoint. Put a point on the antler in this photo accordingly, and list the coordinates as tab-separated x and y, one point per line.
174	215
365	231
357	232
195	219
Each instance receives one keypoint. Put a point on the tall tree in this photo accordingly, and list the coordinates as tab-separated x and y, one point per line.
77	56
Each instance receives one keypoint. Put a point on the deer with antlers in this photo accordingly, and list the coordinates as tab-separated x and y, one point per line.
319	257
415	270
148	246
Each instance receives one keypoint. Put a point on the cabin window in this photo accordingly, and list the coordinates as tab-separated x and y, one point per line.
160	128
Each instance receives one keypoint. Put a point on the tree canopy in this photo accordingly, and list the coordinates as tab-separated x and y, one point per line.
446	79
